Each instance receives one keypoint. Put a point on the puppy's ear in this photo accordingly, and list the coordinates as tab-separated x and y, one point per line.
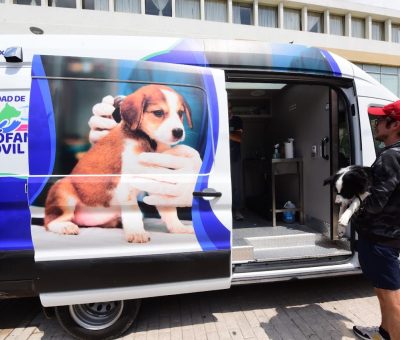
131	109
188	113
117	104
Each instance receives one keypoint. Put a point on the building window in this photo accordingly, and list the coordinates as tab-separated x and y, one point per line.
357	28
99	5
396	33
242	14
336	24
390	78
187	9
387	75
215	10
159	7
315	22
28	2
62	3
378	29
267	16
127	6
292	19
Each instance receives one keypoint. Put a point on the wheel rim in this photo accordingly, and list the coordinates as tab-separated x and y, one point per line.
96	316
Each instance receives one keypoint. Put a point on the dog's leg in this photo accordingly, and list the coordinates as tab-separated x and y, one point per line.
342	209
132	223
341	228
131	216
60	208
170	217
345	218
355	204
63	225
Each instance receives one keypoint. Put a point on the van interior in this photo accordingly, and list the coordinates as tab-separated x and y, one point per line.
314	116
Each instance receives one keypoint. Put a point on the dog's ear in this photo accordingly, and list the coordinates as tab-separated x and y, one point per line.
367	170
330	180
131	109
188	113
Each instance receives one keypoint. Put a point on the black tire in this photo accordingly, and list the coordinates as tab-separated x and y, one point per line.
101	320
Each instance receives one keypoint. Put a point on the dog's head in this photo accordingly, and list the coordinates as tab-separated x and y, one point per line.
349	182
158	111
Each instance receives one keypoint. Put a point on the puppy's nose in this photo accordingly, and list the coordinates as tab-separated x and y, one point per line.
177	133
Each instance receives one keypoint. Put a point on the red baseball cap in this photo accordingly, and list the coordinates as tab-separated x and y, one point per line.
389	110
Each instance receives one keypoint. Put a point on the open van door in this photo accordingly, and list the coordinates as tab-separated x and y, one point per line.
343	143
99	262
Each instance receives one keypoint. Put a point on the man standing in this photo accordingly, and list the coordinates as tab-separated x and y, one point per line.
378	225
235	138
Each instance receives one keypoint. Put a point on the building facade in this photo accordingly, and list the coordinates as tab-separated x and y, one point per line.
366	32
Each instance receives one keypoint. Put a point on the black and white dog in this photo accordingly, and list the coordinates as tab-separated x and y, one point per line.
351	185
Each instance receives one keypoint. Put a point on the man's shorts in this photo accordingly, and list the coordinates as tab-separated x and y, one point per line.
379	263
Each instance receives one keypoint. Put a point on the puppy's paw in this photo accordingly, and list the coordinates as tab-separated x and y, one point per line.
64	228
341	230
138	237
70	229
181	229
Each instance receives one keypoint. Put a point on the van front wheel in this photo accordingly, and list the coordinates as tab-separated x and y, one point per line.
99	320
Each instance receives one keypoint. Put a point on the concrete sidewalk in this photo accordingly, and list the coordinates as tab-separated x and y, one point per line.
311	309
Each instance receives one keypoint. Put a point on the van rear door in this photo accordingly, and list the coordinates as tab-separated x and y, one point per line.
98	261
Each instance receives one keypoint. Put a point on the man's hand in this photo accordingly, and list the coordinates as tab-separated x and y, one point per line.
102	121
169	178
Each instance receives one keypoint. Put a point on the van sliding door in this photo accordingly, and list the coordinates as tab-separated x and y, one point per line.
88	202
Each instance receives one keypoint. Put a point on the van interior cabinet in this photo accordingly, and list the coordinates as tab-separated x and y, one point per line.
287	166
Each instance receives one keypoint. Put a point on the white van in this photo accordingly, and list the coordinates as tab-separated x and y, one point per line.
92	228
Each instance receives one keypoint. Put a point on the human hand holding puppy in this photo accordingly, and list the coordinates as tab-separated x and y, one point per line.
168	178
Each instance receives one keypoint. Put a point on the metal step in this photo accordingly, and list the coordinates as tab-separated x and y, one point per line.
298	252
243	254
283	243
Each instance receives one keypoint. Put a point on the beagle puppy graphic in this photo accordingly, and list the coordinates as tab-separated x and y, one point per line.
98	192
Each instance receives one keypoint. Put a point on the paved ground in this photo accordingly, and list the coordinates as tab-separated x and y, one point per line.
311	309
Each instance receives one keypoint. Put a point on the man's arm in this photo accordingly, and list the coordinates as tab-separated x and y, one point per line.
236	135
386	179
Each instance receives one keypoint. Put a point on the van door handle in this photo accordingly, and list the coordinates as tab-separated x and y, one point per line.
324	142
207	194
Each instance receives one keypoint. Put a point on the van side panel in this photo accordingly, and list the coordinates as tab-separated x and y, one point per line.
16	248
14	211
100	257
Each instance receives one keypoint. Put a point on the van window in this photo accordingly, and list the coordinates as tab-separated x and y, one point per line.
344	157
377	144
72	116
68	89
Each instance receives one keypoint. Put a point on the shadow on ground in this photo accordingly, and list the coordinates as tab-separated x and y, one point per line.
289	310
